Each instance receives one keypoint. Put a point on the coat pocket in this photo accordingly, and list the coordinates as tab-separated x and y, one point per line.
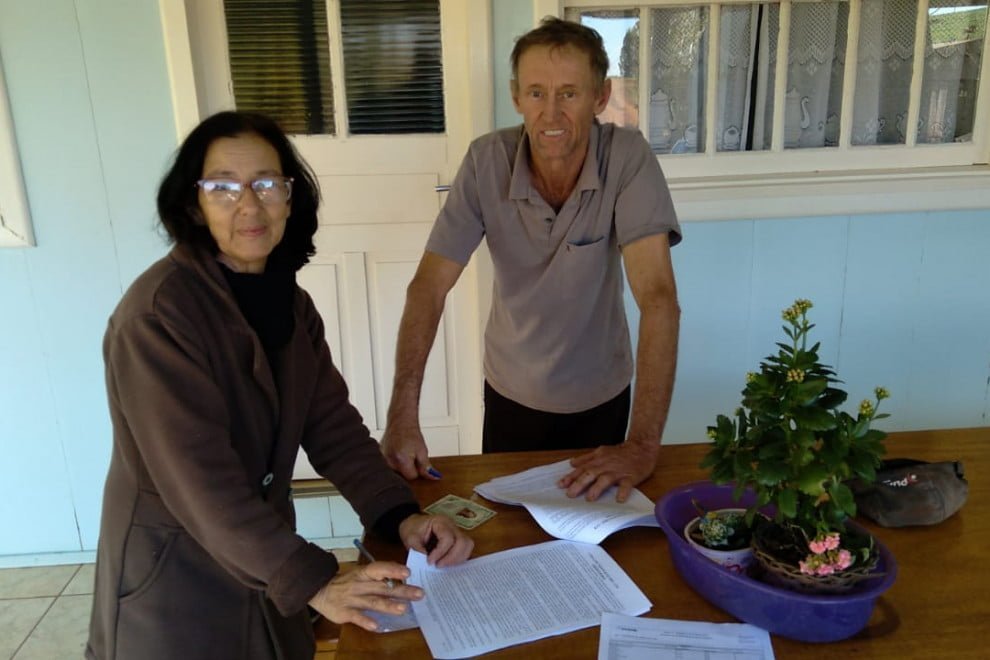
147	552
186	606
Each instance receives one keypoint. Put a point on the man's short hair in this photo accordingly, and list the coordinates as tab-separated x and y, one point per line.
557	33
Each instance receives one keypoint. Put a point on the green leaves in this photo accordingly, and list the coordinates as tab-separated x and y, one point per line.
787	503
813	418
843	498
810	480
789	442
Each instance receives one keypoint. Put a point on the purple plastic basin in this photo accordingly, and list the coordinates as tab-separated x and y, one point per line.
804	617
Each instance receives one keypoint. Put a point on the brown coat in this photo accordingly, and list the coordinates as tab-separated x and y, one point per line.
195	559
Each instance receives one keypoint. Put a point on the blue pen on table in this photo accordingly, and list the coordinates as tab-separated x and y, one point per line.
432	471
389	582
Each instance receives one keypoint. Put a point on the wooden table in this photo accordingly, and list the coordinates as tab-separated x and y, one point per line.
939	605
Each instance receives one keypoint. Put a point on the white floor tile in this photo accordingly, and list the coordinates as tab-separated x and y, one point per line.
17	619
82	583
62	633
35	581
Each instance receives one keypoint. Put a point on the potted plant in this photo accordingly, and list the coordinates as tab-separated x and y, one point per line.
794	449
722	535
784	457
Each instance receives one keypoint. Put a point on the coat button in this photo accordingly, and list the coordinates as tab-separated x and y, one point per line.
269	478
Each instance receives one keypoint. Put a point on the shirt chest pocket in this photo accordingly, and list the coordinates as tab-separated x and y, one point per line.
580	268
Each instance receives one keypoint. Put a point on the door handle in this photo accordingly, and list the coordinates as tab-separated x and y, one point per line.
440	189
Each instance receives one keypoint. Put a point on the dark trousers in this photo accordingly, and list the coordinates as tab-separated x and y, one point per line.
510	426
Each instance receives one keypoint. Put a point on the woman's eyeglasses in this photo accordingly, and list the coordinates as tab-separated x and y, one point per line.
268	189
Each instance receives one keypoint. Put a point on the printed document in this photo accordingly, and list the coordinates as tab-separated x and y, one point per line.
572	519
632	638
518	595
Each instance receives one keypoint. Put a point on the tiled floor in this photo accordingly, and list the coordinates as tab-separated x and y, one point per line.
44	611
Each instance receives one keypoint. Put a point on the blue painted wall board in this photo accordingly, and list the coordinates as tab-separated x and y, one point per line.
135	144
951	352
803	259
713	266
132	129
880	311
87	122
36	510
72	272
510	18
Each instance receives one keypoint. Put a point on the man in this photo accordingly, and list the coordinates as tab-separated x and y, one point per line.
558	201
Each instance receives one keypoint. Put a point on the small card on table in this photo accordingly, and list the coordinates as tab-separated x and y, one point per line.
465	513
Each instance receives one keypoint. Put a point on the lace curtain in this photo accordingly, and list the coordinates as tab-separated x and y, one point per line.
818	39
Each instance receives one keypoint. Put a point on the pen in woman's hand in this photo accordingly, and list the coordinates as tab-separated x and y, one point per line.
367	555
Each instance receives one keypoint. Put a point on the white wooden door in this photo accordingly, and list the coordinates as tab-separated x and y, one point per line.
380	198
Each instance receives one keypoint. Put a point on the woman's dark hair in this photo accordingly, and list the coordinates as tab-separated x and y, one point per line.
178	195
557	33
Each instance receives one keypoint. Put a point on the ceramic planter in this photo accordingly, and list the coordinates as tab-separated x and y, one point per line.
804	617
736	561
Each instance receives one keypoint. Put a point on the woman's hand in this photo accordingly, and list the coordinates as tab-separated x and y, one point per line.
344	597
443	543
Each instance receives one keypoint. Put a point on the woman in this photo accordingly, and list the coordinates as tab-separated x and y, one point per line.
217	372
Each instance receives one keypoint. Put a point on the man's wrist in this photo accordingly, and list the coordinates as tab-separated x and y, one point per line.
644	442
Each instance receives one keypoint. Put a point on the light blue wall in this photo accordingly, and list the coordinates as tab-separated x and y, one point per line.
901	300
90	100
510	18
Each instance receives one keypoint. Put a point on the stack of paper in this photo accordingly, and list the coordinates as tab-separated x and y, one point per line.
572	519
519	595
632	638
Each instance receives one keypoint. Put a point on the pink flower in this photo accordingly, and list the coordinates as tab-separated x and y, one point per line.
844	560
826	569
831	541
806	568
818	547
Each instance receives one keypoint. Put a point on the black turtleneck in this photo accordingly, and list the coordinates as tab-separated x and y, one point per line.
265	300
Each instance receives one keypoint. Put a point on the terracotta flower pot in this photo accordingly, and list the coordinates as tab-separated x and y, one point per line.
800	616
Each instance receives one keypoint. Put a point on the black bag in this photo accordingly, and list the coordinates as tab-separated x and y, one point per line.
912	492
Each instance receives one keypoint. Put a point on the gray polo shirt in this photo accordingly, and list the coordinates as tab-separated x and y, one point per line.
557	338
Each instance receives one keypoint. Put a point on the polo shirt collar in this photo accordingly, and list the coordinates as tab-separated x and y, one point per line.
521	186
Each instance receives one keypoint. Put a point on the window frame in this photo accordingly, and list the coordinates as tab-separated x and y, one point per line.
815	181
15	216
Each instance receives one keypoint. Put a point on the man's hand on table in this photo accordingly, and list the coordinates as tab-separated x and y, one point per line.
442	541
405	451
625	465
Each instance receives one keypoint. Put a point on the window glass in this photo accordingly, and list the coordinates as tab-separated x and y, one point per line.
953	55
815	66
738	54
620	33
679	55
883	71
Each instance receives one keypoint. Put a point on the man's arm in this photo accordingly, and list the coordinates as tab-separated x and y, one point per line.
651	279
402	443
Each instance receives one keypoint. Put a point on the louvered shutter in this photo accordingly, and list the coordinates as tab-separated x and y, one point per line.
280	62
393	66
